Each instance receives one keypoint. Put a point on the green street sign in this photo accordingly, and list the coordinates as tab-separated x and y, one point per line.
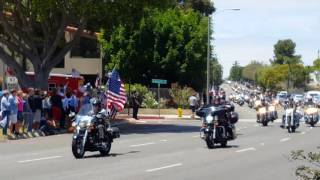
159	81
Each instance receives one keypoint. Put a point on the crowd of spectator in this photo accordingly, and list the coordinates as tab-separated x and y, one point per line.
33	111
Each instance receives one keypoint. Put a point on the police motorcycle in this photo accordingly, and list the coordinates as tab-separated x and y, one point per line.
215	127
93	131
311	115
290	120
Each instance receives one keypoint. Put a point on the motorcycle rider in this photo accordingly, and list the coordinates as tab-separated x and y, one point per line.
289	104
226	115
309	102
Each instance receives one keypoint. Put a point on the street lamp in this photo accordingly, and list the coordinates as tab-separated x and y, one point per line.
208	50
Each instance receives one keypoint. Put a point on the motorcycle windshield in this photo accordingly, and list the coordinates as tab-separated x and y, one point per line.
85	110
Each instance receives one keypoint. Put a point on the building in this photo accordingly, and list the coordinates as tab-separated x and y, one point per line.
84	59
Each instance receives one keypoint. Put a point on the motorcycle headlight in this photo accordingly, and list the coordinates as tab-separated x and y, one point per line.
83	124
74	124
262	110
311	110
209	119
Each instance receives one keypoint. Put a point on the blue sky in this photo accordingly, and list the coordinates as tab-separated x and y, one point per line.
250	34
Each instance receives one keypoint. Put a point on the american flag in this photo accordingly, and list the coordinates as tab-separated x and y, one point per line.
116	95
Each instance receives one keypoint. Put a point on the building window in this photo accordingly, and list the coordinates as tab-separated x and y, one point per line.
86	48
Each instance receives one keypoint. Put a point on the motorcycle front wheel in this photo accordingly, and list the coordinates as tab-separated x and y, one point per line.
77	149
209	142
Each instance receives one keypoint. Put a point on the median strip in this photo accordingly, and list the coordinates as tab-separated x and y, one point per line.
40	159
164	167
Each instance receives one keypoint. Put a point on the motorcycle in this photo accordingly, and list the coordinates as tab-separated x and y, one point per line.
311	116
212	131
272	112
251	103
93	132
263	116
290	120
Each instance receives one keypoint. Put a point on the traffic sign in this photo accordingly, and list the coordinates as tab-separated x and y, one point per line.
159	81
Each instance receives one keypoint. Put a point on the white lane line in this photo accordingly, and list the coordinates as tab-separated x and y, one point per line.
145	144
40	159
247	149
256	125
195	136
164	167
262	144
163	140
284	139
303	132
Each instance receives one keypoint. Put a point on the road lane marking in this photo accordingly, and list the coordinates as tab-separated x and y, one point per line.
247	149
303	132
163	140
262	144
256	125
284	139
40	159
195	136
145	144
164	167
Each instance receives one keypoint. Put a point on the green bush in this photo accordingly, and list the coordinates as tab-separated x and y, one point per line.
149	101
180	95
147	97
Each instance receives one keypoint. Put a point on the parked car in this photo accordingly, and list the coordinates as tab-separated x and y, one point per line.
298	98
316	100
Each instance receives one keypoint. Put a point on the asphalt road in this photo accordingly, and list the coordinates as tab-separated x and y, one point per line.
163	149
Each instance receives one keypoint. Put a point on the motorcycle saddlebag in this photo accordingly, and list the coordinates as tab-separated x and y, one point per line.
115	132
234	117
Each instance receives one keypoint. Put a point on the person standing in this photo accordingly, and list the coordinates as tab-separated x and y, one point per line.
13	111
193	102
5	109
135	104
57	107
20	111
37	109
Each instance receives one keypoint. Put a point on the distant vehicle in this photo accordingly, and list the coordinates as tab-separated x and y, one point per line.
298	98
229	82
283	92
316	100
312	93
281	98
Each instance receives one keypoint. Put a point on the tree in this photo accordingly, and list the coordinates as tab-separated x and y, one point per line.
205	7
35	30
284	52
169	44
251	70
272	76
217	73
316	64
236	72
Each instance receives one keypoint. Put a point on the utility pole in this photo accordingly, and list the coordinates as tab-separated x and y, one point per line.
208	61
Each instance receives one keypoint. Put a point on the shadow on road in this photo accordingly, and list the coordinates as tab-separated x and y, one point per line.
157	128
110	155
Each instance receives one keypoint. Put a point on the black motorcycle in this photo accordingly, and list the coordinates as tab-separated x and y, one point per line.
215	130
92	132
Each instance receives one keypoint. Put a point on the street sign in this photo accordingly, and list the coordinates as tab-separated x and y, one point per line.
12	80
159	81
